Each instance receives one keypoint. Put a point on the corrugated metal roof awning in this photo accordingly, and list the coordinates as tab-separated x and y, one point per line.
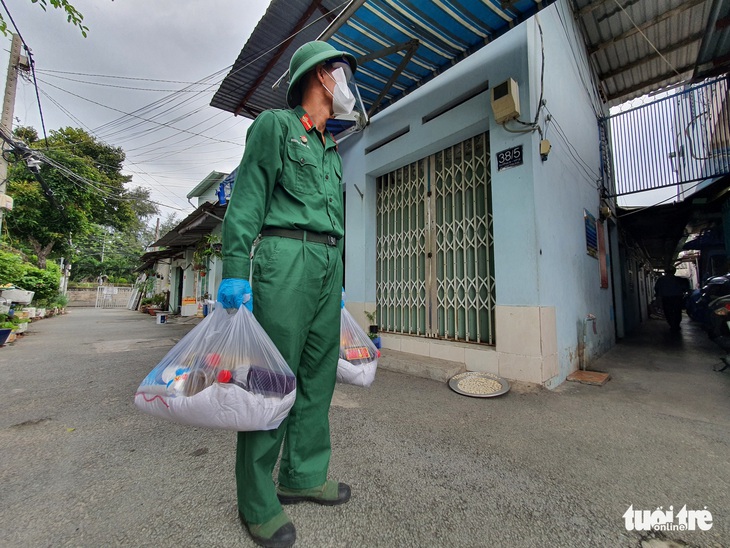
187	233
194	227
644	46
151	257
635	46
399	44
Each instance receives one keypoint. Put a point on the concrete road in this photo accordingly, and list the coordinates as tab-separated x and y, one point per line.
81	466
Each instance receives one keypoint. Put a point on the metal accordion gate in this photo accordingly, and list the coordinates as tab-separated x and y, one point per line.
435	254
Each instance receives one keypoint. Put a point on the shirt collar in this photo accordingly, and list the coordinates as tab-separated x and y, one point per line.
304	118
309	126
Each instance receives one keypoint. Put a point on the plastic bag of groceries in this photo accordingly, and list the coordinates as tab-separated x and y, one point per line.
225	373
358	355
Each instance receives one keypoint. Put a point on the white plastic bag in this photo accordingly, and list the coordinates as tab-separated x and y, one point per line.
225	373
358	355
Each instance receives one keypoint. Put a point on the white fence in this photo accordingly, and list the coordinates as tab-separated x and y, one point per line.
109	296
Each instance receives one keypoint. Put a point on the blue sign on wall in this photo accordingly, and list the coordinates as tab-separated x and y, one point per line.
591	234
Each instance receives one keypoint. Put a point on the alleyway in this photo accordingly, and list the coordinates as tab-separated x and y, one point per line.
80	466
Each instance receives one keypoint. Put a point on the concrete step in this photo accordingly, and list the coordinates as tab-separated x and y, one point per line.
419	366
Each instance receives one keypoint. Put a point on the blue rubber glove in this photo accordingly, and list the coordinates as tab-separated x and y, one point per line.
342	302
235	291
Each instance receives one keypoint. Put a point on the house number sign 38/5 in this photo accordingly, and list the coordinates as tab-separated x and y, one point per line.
510	157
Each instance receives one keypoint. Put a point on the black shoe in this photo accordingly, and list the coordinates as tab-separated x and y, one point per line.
284	537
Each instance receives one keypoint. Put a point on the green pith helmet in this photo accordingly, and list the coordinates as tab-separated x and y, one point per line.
305	59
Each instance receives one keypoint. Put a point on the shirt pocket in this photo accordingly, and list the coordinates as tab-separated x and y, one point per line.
303	173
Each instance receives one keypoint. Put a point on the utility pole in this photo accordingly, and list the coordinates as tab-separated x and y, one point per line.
157	233
6	120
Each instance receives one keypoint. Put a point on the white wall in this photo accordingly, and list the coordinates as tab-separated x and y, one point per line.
210	195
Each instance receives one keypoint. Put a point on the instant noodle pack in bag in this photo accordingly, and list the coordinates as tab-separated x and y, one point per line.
358	355
225	373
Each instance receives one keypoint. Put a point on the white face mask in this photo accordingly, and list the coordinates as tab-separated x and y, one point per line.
343	101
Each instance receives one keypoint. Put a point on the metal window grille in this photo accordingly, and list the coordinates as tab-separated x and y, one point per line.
674	141
435	271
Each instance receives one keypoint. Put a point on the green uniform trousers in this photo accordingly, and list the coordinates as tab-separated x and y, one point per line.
297	292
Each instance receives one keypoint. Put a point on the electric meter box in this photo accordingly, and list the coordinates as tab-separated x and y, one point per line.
6	202
506	101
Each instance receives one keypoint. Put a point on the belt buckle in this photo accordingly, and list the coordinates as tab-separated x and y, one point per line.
331	240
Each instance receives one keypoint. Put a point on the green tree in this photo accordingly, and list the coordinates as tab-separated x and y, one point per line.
12	267
44	282
73	15
84	189
144	209
27	134
114	254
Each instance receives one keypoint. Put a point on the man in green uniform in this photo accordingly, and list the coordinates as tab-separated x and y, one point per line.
288	191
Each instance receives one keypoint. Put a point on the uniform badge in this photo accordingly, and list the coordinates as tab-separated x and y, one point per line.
306	122
303	139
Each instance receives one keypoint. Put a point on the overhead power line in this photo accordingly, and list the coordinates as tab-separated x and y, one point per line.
135	116
137	170
29	154
31	62
210	81
44	71
164	113
131	88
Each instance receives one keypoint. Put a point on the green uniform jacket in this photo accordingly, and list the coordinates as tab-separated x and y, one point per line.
287	179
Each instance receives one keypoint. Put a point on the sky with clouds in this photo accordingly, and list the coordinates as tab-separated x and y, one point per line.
142	80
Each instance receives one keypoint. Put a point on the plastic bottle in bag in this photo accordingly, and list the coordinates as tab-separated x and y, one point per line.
185	386
358	356
197	380
237	377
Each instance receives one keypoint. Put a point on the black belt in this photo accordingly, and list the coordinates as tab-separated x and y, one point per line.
315	237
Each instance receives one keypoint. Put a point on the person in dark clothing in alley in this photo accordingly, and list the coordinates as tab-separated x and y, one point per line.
670	290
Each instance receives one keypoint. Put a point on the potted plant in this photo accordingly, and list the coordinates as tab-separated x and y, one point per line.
6	328
144	304
61	302
22	324
158	302
373	329
11	324
207	248
41	307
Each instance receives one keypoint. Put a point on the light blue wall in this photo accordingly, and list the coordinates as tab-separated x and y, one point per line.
539	238
568	278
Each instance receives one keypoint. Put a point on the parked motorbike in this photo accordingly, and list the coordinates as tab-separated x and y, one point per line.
702	302
710	306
